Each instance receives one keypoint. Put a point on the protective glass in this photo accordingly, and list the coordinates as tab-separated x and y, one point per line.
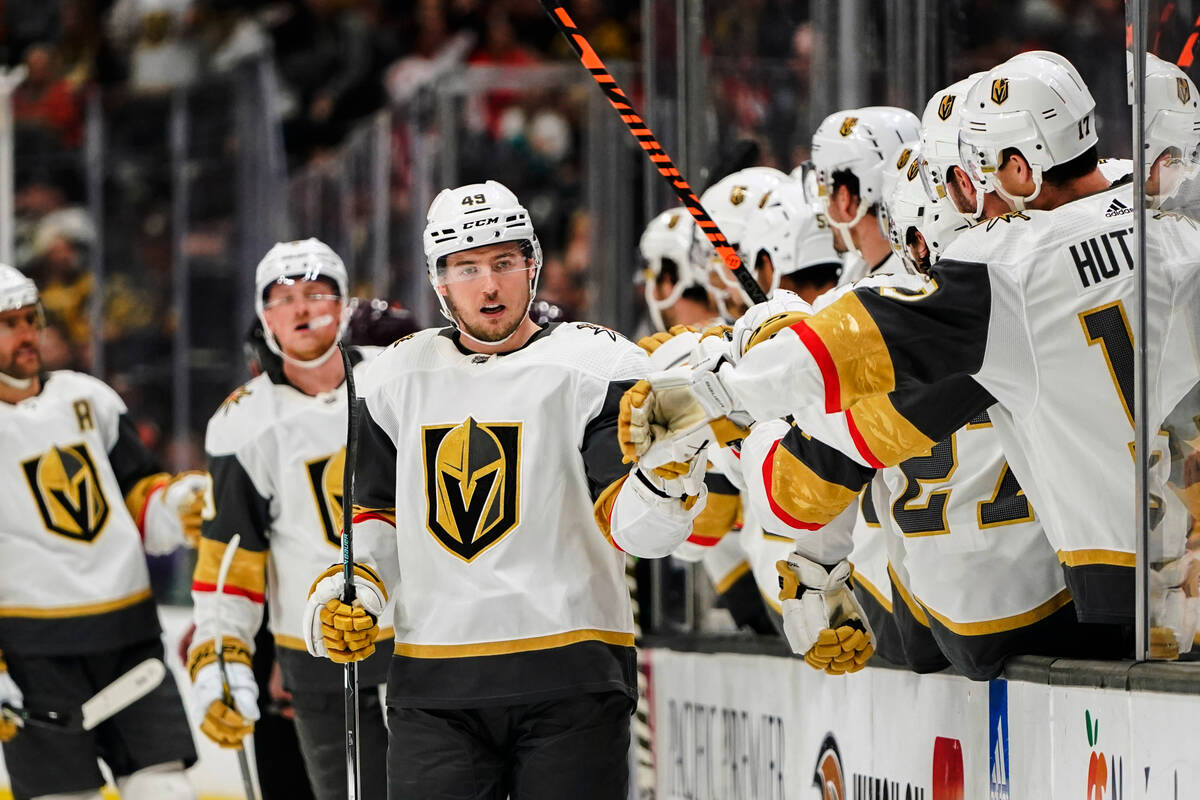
13	322
290	300
468	271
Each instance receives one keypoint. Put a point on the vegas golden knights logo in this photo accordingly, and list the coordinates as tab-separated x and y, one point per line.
1183	90
472	483
325	478
946	107
905	155
913	169
738	195
848	126
66	488
999	91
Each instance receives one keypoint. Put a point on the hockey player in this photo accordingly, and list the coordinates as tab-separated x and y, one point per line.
849	151
1049	270
789	244
491	469
276	451
85	503
676	292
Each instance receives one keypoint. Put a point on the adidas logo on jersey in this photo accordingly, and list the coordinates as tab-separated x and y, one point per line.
1117	208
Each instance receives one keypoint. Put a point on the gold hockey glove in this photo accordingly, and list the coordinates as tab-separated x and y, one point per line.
339	631
822	619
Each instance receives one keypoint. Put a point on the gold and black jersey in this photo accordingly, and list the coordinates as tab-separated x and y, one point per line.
506	588
74	477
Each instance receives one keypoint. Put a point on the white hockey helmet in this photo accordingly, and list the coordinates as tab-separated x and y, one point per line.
859	141
911	206
16	289
794	234
476	215
1172	122
730	202
668	240
1035	102
940	124
301	260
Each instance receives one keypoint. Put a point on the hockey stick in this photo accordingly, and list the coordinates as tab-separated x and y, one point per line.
654	151
222	572
350	674
116	696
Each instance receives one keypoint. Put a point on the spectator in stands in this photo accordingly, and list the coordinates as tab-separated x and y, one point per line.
44	101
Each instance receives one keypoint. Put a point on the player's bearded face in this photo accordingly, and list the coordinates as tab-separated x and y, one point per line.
487	290
304	316
20	356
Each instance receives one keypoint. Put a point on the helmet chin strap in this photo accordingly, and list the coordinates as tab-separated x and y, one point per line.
1016	201
20	384
312	363
844	227
458	326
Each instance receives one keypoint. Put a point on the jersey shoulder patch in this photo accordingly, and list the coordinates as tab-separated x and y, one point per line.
241	417
597	350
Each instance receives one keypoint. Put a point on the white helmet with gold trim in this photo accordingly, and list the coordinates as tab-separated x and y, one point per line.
666	248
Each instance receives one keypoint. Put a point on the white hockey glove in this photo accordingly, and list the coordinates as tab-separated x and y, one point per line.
674	414
10	695
340	632
174	513
822	619
1173	615
225	723
763	320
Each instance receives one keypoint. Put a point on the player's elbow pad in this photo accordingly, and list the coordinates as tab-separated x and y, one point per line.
648	525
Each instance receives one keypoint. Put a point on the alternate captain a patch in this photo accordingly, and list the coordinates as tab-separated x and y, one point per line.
66	488
472	483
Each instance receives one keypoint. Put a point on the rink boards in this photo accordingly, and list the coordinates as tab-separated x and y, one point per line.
732	727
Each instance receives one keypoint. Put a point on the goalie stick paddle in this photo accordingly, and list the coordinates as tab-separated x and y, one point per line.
350	674
654	151
117	696
222	572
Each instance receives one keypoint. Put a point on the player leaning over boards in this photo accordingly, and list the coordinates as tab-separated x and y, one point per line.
1036	306
490	468
84	503
276	449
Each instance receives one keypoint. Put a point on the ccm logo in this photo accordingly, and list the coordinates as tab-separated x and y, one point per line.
479	223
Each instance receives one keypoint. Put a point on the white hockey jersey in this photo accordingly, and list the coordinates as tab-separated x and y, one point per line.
1039	307
507	586
73	575
277	457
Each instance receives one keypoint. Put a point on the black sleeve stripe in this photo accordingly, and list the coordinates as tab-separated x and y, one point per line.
240	508
827	463
130	459
601	449
938	335
375	464
940	409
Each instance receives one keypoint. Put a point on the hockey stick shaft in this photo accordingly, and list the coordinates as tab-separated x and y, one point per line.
350	673
222	572
650	145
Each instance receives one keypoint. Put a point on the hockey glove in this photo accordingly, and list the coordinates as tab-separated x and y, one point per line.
227	720
677	412
340	632
174	513
10	695
764	320
656	340
821	617
1173	620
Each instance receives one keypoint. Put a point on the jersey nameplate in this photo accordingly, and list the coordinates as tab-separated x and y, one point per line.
1101	258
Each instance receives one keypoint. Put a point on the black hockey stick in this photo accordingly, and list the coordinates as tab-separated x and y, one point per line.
654	151
350	674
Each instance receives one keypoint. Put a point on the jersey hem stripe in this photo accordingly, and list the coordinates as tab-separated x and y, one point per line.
1116	558
914	607
514	645
1004	623
871	590
86	609
723	585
